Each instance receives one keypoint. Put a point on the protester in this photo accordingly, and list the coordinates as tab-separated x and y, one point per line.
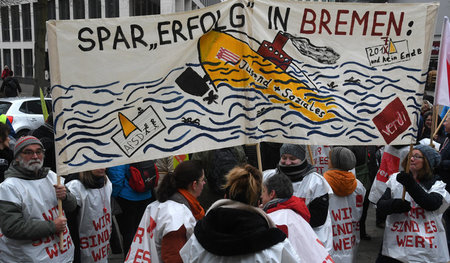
425	132
290	214
5	72
46	135
414	231
131	202
346	203
10	86
168	223
310	186
443	170
6	154
235	230
29	222
92	218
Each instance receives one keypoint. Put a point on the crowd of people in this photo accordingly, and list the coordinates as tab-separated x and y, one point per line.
290	212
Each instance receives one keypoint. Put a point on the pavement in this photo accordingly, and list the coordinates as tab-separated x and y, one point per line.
367	250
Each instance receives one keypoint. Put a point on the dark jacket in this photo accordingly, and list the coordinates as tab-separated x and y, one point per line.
443	169
11	87
11	217
234	228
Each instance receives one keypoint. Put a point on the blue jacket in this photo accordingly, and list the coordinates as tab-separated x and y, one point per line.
119	178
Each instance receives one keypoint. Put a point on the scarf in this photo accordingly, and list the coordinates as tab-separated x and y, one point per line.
343	183
196	209
294	203
296	172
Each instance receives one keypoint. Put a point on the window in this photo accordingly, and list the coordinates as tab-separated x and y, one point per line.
7	57
5	23
17	53
112	8
4	107
78	9
95	9
28	62
51	12
15	22
145	7
64	10
26	22
31	107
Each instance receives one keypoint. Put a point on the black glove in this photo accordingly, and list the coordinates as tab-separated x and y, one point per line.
400	206
405	179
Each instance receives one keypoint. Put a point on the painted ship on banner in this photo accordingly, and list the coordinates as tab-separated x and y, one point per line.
230	60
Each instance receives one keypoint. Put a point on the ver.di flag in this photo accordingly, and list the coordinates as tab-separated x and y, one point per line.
442	94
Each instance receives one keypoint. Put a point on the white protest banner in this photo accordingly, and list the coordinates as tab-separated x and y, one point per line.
136	88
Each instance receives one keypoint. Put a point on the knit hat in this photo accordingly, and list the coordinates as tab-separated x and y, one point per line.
433	157
23	142
296	150
342	158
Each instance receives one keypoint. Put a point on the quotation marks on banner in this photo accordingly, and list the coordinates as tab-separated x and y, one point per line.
153	46
251	4
410	24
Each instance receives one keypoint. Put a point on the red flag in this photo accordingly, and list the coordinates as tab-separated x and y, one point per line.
442	91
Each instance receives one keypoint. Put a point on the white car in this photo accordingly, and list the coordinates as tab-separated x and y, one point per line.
24	113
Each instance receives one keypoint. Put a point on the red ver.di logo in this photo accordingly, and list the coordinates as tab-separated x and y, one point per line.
392	121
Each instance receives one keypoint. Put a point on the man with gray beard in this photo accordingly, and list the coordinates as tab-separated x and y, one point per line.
30	228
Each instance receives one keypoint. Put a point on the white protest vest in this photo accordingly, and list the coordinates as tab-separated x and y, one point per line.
158	220
346	212
312	186
302	237
419	235
94	220
283	252
37	198
391	162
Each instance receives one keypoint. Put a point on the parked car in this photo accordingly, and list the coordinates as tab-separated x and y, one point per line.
24	113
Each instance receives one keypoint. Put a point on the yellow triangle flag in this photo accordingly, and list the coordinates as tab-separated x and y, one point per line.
392	48
127	125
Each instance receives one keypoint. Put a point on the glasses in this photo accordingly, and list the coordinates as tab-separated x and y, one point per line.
32	153
415	157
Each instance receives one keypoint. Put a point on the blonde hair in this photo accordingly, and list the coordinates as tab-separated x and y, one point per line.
244	184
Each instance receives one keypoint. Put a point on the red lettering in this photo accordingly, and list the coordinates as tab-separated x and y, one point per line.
430	227
84	242
344	243
52	251
328	258
376	24
392	23
364	19
325	18
309	22
339	22
139	234
52	213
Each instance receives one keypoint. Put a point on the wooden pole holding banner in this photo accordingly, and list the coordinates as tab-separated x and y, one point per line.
310	154
440	124
60	214
258	157
433	125
407	168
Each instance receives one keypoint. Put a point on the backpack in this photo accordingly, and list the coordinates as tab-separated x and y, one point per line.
144	176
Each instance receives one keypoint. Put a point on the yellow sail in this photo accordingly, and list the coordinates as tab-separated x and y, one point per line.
127	125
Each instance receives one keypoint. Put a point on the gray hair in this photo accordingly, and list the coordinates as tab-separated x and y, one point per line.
281	184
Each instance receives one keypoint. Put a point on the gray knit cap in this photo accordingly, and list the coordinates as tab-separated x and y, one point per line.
23	142
433	157
296	150
342	158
